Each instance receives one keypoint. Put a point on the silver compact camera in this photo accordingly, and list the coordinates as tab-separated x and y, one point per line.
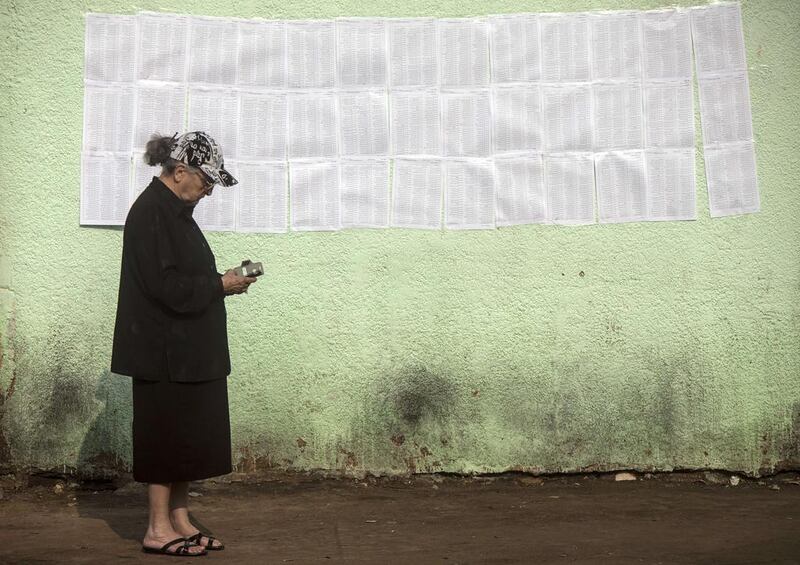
249	269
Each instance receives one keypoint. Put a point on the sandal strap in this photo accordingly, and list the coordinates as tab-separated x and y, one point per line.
198	537
169	544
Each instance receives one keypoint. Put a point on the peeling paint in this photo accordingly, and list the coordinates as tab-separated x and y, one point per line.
350	460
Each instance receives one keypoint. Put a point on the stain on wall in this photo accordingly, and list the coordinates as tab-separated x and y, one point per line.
7	369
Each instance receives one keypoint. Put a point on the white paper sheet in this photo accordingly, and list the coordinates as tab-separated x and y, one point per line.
670	184
567	117
263	121
218	211
110	48
142	176
415	123
363	122
213	51
621	186
732	179
315	196
666	44
311	49
413	52
669	114
725	109
159	109
718	38
262	54
365	193
261	197
312	126
515	48
565	47
519	190
617	116
467	120
105	187
108	118
517	113
463	53
216	112
569	181
469	194
361	52
616	46
161	47
417	193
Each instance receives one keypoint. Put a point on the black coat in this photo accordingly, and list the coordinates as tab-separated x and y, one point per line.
171	320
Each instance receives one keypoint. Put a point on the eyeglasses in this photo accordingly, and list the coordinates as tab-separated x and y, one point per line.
208	182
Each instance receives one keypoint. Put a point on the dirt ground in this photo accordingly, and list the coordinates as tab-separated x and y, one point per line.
670	518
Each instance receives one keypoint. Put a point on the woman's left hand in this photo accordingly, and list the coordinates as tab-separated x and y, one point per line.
234	284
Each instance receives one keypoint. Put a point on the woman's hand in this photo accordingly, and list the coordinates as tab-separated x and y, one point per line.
234	284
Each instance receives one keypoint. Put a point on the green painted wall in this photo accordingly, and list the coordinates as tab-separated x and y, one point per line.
544	348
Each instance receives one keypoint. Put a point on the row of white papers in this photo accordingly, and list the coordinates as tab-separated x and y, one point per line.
468	123
725	110
425	193
551	83
371	52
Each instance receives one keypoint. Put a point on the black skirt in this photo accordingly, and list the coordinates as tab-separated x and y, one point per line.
181	431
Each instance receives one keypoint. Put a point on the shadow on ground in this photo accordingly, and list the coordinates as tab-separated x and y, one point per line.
106	490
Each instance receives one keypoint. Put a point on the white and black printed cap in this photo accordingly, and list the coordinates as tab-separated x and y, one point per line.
198	149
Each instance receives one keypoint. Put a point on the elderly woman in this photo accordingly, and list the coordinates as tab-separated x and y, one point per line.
171	337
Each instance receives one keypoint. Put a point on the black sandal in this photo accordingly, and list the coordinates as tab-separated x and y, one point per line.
182	551
210	545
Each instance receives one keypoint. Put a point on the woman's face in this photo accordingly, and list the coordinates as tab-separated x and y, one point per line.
192	184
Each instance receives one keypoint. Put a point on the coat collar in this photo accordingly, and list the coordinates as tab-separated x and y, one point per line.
169	198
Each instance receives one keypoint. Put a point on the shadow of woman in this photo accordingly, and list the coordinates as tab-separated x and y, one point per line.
107	490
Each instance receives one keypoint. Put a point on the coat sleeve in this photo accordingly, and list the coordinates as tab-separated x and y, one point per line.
155	263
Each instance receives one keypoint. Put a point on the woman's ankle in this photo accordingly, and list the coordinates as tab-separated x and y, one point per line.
161	532
184	527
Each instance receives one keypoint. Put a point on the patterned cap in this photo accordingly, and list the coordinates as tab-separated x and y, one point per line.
198	149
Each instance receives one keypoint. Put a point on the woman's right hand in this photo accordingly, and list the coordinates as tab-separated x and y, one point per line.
234	284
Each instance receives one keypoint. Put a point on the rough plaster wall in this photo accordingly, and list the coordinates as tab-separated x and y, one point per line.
542	348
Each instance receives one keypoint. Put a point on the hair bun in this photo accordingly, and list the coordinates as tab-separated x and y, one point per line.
157	150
